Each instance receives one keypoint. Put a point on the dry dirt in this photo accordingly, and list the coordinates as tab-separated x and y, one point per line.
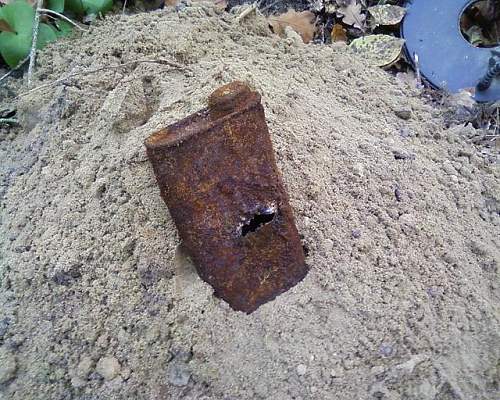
400	217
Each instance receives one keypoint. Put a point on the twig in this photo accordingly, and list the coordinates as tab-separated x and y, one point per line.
47	11
9	121
19	65
109	67
417	71
497	121
124	5
247	11
36	25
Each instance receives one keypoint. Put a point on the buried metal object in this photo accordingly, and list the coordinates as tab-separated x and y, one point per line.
431	29
218	176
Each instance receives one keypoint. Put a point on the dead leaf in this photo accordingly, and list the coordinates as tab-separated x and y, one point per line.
339	33
386	14
5	27
171	3
475	35
378	50
330	6
301	22
351	14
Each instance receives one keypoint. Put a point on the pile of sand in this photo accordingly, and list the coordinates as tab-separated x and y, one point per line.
400	218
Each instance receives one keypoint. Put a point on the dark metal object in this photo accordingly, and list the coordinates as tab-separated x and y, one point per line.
431	29
218	176
492	73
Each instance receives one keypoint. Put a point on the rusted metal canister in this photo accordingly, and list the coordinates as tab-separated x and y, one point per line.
218	176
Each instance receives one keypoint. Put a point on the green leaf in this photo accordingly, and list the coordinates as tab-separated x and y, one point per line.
64	28
56	5
76	6
46	34
14	47
19	15
97	6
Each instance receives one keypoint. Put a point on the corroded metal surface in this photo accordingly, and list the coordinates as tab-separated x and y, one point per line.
218	176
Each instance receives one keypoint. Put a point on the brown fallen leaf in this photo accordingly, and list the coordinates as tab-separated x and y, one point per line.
351	14
171	3
339	33
301	22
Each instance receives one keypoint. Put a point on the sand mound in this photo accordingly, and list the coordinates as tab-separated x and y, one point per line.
400	218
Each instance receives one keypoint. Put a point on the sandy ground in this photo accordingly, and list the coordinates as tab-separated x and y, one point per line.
400	217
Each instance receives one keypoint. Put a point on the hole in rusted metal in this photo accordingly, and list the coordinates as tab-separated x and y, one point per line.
260	219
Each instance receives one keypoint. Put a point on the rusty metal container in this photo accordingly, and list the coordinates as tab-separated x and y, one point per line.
218	176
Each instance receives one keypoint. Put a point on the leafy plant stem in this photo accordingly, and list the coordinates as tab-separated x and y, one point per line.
36	24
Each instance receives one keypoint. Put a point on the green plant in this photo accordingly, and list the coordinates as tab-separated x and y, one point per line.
17	21
17	31
87	7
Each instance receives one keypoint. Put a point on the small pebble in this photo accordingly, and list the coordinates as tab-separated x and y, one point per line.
398	194
358	169
400	154
78	382
301	369
108	367
386	350
356	233
178	374
405	133
403	113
